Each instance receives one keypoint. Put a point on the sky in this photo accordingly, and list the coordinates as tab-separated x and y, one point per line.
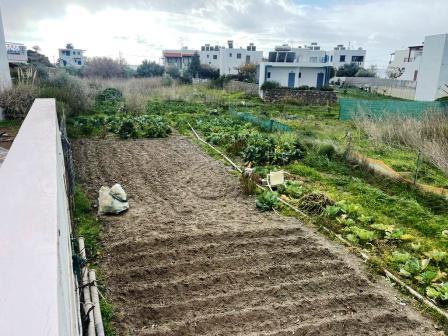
141	29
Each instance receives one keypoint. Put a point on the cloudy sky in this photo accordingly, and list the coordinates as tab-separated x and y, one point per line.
140	29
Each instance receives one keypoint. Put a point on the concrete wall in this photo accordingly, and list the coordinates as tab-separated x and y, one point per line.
5	77
227	61
39	295
335	57
433	72
389	87
250	89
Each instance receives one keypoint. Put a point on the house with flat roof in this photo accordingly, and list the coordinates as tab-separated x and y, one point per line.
229	60
404	64
340	55
294	67
71	57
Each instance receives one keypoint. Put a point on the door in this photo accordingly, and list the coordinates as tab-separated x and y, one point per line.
320	80
291	79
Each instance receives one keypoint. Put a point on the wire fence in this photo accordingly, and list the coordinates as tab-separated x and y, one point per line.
350	108
267	125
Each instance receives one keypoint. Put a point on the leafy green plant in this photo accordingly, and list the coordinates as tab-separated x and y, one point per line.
267	201
333	211
357	234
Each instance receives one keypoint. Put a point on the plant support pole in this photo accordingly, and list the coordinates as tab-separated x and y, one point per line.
88	306
96	304
417	166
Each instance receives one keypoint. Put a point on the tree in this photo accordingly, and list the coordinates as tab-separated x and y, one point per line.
247	73
69	46
149	69
104	67
348	70
371	72
173	71
206	71
36	48
394	72
195	65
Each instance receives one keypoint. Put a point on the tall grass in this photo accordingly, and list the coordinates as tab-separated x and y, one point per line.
428	134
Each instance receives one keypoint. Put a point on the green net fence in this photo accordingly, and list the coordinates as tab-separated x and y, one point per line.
267	125
350	108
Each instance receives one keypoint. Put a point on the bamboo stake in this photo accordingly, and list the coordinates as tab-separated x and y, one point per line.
96	304
86	291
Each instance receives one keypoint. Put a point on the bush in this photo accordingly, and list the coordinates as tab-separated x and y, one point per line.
326	88
109	101
327	150
104	67
303	87
17	101
269	85
70	90
149	69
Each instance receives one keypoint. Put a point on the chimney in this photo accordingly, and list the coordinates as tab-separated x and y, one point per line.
230	43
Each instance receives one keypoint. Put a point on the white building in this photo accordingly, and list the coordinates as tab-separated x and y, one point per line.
341	55
228	60
433	70
5	76
180	58
404	64
70	57
16	53
296	67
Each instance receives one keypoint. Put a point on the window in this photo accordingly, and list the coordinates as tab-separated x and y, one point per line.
215	56
247	58
342	58
269	75
281	57
208	55
357	58
230	54
238	55
272	56
79	62
331	58
300	75
290	57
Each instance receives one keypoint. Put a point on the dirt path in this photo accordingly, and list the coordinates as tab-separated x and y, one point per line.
193	257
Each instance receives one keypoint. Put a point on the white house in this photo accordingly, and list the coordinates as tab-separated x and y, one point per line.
16	53
70	57
404	64
228	60
341	55
296	67
5	76
432	80
180	58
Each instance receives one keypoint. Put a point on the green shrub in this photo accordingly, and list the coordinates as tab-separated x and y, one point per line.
303	87
326	88
17	101
109	101
269	85
327	150
267	201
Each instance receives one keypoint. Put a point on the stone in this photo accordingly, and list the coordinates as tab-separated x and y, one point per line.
107	204
118	193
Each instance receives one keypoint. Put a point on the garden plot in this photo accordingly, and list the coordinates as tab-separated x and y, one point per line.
192	256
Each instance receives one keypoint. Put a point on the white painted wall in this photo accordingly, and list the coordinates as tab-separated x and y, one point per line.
335	56
279	72
5	76
433	72
400	61
39	295
227	60
76	56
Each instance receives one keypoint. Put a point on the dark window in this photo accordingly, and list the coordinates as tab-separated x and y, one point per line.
230	54
247	59
290	57
272	56
269	75
342	58
300	75
238	55
64	62
281	56
357	58
208	55
215	56
331	58
79	62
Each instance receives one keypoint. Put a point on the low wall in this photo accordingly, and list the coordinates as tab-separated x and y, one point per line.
306	97
39	290
397	88
250	89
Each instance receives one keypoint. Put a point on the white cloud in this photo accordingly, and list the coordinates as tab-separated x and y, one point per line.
140	29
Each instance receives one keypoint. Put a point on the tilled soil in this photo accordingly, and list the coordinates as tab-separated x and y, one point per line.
192	256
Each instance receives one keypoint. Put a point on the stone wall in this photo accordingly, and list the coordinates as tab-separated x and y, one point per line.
250	89
306	97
